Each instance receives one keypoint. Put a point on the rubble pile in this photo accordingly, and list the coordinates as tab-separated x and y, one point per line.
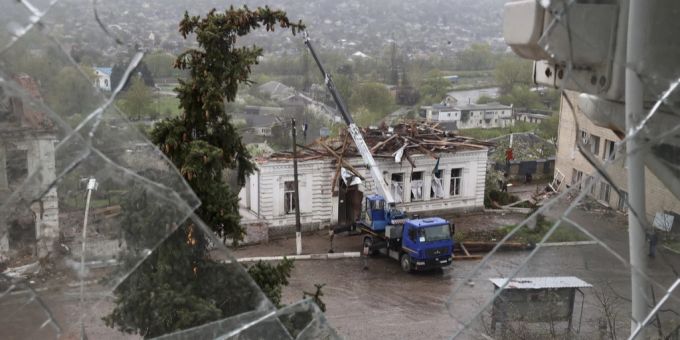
400	141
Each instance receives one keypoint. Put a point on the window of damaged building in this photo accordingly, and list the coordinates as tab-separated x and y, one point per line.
437	187
289	202
456	181
397	187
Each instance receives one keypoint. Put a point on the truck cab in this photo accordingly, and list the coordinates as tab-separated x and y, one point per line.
378	214
426	243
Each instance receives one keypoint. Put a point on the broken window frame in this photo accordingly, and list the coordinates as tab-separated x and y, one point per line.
595	145
456	182
437	185
605	192
417	185
608	150
397	187
623	198
289	202
576	177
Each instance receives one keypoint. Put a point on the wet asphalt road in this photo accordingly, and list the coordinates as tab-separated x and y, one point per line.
385	303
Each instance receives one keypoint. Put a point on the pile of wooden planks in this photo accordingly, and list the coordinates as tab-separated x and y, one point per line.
414	137
403	140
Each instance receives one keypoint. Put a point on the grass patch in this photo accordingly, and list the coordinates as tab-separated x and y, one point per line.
76	202
673	245
470	73
564	233
166	106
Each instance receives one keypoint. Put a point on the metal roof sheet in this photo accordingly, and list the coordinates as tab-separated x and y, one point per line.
541	282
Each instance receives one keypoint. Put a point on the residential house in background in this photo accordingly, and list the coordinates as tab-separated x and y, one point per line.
492	115
572	169
276	90
530	116
102	78
258	124
297	102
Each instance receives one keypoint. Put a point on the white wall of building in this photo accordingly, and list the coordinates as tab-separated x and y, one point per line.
483	117
102	80
318	205
487	118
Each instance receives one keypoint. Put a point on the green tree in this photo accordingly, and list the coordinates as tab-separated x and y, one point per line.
434	88
522	97
270	278
137	99
344	84
373	96
548	128
364	117
511	71
484	99
161	65
70	93
141	70
551	99
306	66
179	286
476	57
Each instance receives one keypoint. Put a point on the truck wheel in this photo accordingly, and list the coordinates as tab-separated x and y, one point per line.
368	243
405	261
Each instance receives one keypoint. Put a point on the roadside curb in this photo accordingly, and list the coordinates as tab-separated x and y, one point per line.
329	256
562	244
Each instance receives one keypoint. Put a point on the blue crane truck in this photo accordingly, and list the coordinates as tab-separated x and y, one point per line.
418	244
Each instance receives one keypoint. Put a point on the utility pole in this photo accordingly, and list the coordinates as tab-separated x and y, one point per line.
638	19
91	186
298	229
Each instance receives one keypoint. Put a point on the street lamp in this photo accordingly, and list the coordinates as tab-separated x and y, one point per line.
91	186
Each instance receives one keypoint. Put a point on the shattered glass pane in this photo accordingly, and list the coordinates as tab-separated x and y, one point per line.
88	203
302	320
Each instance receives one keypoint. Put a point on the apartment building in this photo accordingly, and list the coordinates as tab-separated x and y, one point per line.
573	169
470	116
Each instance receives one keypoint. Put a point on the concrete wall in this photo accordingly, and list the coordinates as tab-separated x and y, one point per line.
448	116
41	169
658	198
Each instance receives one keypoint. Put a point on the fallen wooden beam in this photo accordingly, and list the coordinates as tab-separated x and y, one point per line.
337	170
462	246
381	144
342	161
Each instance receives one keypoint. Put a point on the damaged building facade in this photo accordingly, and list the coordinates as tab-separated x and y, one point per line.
27	149
426	174
573	169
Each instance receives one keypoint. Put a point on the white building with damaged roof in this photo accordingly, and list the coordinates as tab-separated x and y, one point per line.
451	179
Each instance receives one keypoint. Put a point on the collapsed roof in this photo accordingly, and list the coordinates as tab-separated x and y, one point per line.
404	139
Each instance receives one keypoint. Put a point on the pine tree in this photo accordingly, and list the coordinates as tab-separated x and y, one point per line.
178	286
